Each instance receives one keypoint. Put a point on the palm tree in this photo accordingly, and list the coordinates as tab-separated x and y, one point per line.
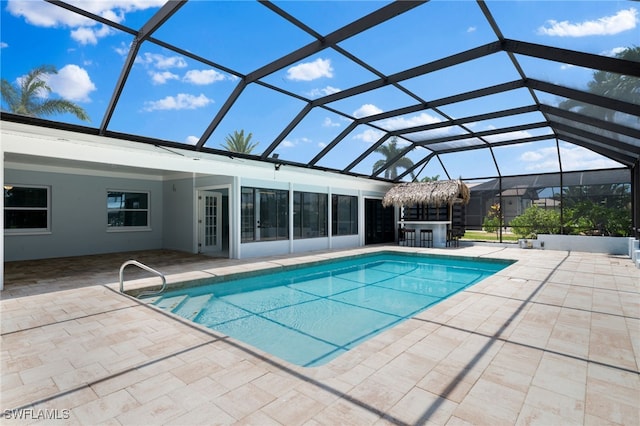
239	143
26	98
611	85
430	179
390	150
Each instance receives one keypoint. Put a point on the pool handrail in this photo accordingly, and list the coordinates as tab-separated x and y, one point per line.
146	268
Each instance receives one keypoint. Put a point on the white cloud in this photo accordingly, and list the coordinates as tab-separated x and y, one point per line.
88	35
622	21
329	90
42	14
366	110
84	30
404	122
202	77
161	62
329	123
192	140
472	29
369	135
508	136
3	45
613	52
291	143
123	49
533	156
309	71
573	158
178	102
162	77
72	83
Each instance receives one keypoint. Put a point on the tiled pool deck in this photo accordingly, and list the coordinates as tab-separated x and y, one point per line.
552	339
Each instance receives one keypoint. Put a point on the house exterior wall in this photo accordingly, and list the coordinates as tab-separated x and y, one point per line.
80	169
79	216
178	215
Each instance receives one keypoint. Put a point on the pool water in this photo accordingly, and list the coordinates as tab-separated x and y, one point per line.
311	315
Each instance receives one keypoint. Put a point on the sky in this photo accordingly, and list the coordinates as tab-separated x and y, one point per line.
173	97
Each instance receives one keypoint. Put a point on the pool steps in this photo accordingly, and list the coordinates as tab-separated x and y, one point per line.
170	303
190	307
185	306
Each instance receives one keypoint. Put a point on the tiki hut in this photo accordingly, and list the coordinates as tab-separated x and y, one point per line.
437	193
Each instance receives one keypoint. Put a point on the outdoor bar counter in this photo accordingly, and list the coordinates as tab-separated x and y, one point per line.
439	228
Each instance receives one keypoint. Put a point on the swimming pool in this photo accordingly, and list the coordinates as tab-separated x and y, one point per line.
311	315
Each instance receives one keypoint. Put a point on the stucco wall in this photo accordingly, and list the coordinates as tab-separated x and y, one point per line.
79	216
609	245
178	215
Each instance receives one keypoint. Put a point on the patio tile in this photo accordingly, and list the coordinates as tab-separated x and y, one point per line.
242	373
80	376
418	406
347	412
557	408
105	408
446	386
27	393
486	392
562	375
377	394
157	411
193	371
205	415
518	358
292	408
244	400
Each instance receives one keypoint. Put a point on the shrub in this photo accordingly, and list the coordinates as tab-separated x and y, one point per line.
536	221
492	220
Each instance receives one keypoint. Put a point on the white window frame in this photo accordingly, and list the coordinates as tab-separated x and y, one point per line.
124	228
30	231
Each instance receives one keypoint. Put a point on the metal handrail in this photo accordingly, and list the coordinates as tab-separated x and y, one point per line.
146	268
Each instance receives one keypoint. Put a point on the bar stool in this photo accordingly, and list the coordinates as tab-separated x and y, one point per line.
409	237
453	237
426	238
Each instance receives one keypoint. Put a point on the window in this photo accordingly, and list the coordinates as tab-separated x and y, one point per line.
26	209
127	210
264	214
344	215
309	215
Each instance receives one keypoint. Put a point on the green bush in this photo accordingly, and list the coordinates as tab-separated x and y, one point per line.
588	217
536	221
492	220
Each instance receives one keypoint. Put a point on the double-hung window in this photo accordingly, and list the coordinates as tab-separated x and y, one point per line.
127	210
27	209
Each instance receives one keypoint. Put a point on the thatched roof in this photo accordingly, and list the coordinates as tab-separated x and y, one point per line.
436	193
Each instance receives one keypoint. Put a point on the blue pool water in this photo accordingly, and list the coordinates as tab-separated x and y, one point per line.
311	315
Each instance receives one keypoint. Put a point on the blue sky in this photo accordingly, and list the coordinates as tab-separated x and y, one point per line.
172	97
